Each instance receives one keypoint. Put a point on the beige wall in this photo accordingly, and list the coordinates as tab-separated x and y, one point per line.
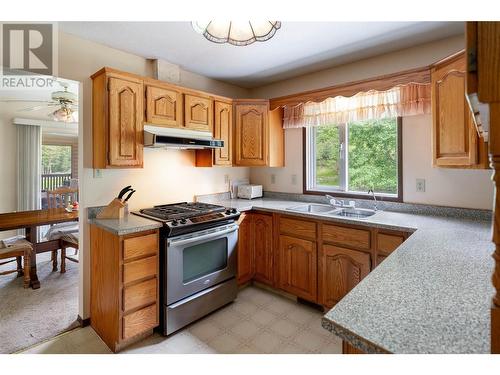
405	59
168	175
8	166
444	187
461	188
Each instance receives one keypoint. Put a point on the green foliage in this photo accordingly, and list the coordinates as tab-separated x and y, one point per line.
372	156
56	159
327	156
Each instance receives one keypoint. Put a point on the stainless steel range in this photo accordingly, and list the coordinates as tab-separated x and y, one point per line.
197	260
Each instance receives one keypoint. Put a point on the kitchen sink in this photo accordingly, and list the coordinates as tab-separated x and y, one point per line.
358	213
312	208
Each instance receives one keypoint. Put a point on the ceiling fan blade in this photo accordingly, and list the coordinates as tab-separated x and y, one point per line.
25	100
37	107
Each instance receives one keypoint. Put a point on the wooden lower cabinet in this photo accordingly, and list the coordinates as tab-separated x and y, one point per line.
298	267
124	298
246	268
386	242
340	270
349	349
318	261
263	248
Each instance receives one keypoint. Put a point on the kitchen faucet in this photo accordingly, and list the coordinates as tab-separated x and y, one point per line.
339	203
374	198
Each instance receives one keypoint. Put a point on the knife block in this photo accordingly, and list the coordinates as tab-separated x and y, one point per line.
114	210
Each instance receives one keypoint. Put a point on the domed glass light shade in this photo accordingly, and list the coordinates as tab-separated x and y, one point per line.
237	33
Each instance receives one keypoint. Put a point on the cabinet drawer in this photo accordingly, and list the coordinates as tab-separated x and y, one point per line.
140	246
140	321
387	243
299	228
357	238
140	294
140	269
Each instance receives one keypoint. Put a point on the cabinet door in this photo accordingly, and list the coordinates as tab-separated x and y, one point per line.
125	139
298	267
252	135
245	249
263	243
223	129
198	113
340	270
455	138
163	107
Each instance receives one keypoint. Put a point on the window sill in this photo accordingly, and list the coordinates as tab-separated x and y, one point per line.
343	194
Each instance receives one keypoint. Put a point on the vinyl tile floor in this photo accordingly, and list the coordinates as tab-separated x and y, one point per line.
258	322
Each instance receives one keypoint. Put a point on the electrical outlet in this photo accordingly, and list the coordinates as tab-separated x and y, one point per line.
97	173
226	178
294	179
420	185
273	179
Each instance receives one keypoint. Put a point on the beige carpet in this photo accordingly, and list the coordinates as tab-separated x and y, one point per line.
30	316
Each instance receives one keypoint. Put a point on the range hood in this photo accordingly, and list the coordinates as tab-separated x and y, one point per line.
155	136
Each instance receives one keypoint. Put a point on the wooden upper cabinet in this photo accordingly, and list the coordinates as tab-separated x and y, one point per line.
298	267
246	267
258	134
263	248
198	112
340	270
164	106
251	134
117	120
223	129
455	139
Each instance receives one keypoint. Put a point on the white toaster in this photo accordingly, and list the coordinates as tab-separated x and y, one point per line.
249	191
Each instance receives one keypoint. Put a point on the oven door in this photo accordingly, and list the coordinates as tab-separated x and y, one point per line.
199	260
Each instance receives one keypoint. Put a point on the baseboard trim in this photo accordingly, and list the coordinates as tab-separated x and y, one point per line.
83	322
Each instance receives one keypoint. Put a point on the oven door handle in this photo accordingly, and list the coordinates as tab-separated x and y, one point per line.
208	236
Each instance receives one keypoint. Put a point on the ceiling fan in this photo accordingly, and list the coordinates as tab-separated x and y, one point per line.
63	101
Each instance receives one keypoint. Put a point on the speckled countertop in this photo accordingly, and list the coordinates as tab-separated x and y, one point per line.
431	295
129	224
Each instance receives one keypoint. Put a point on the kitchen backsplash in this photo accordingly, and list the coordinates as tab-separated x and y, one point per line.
421	209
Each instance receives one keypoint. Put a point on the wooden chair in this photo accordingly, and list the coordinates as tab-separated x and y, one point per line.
17	248
66	233
69	240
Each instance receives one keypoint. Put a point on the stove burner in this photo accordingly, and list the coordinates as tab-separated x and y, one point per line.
182	210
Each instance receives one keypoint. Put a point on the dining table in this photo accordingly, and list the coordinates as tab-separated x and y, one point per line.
30	221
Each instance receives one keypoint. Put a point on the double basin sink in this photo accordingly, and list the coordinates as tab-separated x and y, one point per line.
325	209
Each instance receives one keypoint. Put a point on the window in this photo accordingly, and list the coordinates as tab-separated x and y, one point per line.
353	158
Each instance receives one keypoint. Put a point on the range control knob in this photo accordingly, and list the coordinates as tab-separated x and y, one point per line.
233	210
183	221
174	222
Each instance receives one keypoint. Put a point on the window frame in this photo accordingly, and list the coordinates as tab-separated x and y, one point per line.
349	194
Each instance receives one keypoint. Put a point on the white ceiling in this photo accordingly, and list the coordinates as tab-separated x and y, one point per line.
297	48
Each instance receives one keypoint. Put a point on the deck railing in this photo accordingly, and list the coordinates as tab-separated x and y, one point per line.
51	181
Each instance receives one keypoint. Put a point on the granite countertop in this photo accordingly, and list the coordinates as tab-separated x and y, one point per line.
129	224
431	295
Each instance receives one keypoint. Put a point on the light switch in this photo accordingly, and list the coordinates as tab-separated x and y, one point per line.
294	179
420	185
273	179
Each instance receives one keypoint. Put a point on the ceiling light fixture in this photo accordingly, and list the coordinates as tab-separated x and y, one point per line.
237	33
64	114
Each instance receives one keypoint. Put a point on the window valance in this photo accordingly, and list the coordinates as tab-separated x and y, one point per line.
402	100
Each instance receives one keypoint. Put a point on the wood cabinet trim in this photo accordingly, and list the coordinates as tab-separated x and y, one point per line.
347	236
298	228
